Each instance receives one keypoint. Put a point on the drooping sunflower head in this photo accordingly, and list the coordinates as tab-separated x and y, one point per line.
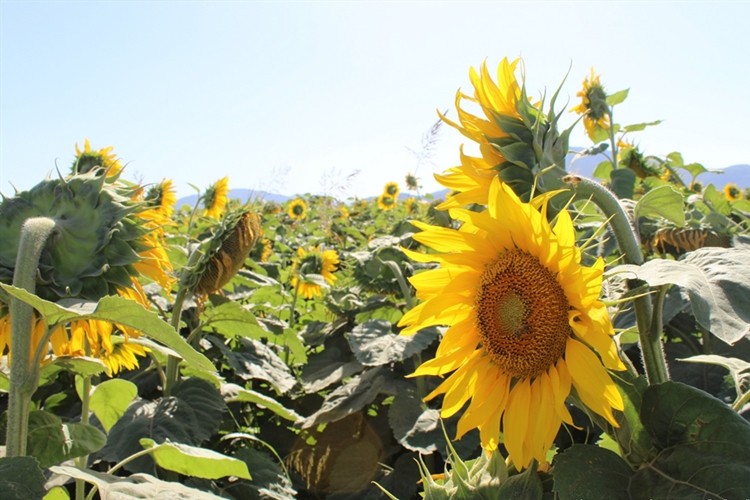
630	156
732	192
386	202
297	209
525	323
90	159
412	182
100	241
392	189
216	198
225	252
517	142
594	108
310	267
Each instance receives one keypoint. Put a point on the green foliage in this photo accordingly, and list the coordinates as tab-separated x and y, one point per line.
110	399
52	441
193	461
21	478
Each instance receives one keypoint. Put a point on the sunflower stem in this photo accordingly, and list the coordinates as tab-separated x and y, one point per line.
654	360
24	376
82	461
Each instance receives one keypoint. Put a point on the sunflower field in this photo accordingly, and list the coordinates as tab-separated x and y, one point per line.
531	334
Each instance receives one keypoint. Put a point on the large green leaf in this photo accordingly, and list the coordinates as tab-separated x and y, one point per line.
51	441
136	486
193	461
233	393
526	485
331	365
191	415
417	428
230	319
373	344
717	281
254	360
351	397
587	471
618	97
114	309
110	399
634	442
78	365
21	478
705	446
662	202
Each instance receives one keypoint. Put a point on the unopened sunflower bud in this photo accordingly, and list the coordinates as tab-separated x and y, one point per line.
227	251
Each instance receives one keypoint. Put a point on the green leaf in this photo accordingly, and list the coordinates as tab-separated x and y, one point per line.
328	367
110	400
351	397
739	369
416	428
82	366
618	97
114	309
717	281
135	486
21	478
694	169
373	344
230	319
705	446
623	182
603	170
662	202
269	479
634	442
587	471
716	200
194	461
637	127
525	485
254	360
191	415
57	493
233	393
51	441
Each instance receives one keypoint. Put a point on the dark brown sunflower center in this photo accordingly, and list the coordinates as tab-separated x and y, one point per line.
298	209
522	314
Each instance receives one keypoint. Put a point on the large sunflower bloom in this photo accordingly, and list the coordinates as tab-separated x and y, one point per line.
593	107
313	261
525	324
216	198
297	209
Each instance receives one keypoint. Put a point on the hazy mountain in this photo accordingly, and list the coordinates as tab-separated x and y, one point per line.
242	195
584	166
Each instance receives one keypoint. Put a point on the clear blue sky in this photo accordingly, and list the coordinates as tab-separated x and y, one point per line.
295	96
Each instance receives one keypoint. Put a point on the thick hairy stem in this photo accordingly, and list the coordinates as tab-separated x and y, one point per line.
650	336
24	377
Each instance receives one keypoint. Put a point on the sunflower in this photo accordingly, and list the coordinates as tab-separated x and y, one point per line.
392	190
732	192
216	198
315	260
162	198
343	212
87	159
386	202
516	141
525	324
594	108
297	209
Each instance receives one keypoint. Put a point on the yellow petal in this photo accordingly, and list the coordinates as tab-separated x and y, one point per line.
592	382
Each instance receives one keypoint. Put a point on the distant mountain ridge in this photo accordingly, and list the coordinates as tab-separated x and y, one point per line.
584	166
